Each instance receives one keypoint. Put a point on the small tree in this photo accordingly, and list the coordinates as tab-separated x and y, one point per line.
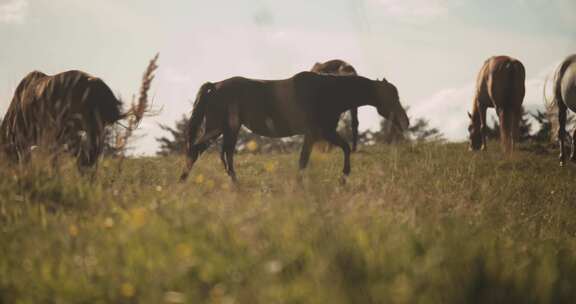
388	133
111	135
544	133
176	143
421	131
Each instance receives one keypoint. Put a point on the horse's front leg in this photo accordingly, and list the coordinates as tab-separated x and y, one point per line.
229	140
561	130
305	154
483	128
334	138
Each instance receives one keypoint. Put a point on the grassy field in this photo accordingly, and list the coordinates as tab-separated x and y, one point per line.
426	223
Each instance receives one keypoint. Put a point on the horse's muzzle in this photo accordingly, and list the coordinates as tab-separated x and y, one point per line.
401	121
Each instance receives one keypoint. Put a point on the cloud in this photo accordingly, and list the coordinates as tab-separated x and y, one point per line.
412	10
446	110
563	9
13	11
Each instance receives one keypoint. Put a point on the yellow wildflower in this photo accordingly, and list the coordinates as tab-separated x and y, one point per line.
138	217
252	146
127	290
108	222
183	250
270	166
73	230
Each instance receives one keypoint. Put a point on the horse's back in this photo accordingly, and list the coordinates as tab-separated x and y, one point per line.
82	93
264	106
40	97
282	107
502	80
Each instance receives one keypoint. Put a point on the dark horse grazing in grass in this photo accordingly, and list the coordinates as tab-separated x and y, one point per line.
565	98
68	109
500	84
307	103
340	67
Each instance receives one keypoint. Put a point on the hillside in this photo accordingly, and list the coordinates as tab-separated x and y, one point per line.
430	223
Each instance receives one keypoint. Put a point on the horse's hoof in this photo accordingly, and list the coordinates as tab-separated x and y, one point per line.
343	179
562	163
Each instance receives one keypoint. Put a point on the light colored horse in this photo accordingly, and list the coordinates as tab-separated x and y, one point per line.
565	98
500	85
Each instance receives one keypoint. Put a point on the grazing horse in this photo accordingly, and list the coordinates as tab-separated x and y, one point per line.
500	84
565	98
69	109
340	67
306	104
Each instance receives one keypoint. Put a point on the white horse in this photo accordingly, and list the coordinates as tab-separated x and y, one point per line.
565	98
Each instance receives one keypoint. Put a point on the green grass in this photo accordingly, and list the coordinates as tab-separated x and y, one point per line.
430	223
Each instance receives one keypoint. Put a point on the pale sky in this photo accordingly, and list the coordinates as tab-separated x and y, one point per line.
430	49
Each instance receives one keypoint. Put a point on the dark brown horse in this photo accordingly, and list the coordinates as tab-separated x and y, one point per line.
565	98
340	67
69	109
500	85
307	103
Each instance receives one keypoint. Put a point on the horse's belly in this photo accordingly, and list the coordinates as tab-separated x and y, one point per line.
271	127
568	87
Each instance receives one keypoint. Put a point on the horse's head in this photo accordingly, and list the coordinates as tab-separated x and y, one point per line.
388	105
474	134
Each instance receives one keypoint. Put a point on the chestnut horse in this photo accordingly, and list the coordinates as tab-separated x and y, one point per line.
308	104
340	67
500	85
565	98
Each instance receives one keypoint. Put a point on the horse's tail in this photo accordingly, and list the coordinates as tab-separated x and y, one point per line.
551	106
512	110
198	113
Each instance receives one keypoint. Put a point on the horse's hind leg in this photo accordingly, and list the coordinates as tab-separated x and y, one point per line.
196	150
573	155
561	129
223	158
355	124
334	138
230	137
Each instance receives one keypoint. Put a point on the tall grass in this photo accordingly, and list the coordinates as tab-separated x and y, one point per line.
426	223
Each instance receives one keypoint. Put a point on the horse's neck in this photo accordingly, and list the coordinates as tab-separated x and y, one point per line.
476	114
357	95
